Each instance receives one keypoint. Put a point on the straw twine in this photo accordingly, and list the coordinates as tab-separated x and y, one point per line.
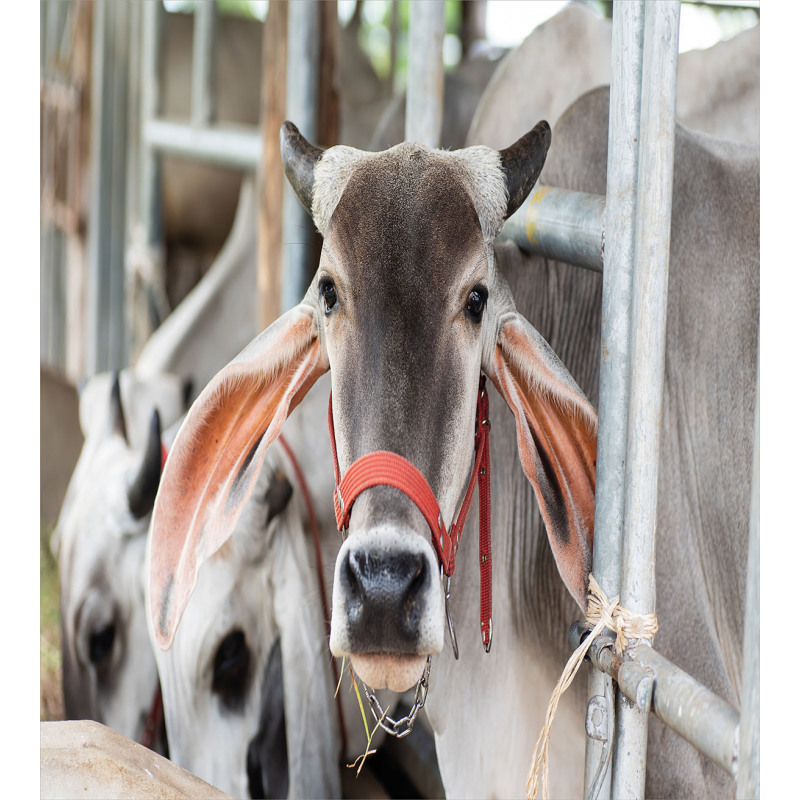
601	613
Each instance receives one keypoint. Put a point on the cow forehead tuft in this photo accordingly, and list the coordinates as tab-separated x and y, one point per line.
477	168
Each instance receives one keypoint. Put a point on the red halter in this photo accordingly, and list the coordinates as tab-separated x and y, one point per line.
383	468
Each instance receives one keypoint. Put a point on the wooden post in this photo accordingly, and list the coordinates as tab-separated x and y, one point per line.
270	206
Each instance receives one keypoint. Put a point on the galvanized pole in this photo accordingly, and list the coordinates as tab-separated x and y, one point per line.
627	35
204	89
302	76
648	338
105	323
150	160
560	224
748	782
425	89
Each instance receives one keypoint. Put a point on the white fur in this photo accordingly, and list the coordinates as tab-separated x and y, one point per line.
479	166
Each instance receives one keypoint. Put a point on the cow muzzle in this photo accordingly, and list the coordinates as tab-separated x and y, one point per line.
388	612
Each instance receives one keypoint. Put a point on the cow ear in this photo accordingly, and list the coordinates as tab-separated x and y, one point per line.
557	438
217	455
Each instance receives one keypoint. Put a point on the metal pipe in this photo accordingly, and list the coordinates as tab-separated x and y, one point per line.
302	78
228	145
748	784
425	88
635	681
560	224
627	33
150	164
693	711
204	85
117	313
648	338
652	682
98	218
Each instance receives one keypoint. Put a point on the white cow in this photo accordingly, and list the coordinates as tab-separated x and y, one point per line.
109	674
248	686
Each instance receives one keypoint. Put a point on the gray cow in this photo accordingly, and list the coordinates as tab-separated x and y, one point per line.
411	303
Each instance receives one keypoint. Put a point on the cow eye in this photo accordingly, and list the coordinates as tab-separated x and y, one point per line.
475	303
231	665
328	291
101	643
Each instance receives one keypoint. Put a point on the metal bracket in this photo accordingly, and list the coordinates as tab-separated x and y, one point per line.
597	719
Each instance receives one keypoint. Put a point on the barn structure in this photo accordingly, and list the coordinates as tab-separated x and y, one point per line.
151	118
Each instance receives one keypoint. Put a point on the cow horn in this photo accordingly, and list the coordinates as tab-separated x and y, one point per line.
522	163
142	491
299	158
117	424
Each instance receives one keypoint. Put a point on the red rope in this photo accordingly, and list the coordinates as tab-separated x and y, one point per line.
312	518
383	468
153	721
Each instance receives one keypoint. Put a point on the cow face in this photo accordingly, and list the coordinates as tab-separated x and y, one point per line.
402	304
406	309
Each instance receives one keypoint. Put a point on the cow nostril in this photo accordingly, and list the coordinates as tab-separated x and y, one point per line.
418	578
356	574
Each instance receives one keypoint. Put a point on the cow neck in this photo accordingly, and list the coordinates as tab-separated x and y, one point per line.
312	519
384	468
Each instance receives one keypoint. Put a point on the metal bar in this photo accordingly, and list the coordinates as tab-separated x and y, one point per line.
648	337
99	216
652	682
695	712
302	76
634	680
204	85
425	89
621	191
150	164
748	784
117	329
560	224
228	145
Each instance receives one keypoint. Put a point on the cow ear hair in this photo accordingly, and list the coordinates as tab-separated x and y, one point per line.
214	463
557	439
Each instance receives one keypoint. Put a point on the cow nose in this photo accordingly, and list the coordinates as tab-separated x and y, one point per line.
383	598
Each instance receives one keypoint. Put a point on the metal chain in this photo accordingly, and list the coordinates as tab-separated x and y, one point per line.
401	727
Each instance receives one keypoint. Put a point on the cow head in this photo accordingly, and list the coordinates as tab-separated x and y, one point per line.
225	685
406	310
247	684
108	668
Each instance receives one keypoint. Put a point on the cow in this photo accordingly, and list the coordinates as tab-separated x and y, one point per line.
411	302
247	684
718	88
109	673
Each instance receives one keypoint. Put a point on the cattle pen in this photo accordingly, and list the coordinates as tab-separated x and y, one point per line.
625	235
